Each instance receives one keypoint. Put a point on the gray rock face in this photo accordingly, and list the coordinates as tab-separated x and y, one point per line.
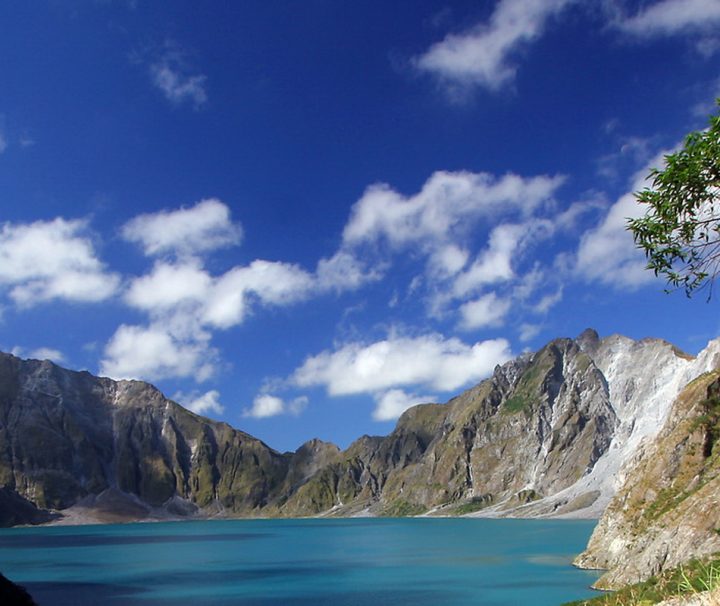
66	436
667	510
547	434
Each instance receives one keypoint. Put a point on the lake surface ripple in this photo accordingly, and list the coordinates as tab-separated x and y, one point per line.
309	562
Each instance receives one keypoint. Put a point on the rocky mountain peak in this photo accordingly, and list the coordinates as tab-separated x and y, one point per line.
588	340
547	434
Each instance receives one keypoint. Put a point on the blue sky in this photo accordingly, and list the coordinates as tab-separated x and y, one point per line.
303	217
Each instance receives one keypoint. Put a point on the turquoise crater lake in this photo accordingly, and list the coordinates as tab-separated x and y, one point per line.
308	562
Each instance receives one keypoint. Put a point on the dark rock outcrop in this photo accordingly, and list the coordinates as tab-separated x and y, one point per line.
67	437
14	595
16	510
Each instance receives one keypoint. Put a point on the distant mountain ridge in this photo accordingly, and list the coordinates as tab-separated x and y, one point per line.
548	433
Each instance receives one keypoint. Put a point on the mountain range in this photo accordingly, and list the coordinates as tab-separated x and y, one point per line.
583	427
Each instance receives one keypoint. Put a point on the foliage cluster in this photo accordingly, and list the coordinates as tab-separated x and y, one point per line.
680	232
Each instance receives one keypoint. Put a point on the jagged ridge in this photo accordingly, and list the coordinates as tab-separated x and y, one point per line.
547	434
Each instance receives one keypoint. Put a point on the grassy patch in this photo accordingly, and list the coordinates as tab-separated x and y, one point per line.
473	505
690	578
516	404
529	387
403	509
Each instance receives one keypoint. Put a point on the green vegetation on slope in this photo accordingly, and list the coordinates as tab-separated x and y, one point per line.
530	386
693	577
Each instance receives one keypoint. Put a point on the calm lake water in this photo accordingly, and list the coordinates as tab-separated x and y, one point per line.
353	562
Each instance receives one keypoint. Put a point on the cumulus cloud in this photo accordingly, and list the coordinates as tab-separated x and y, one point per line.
440	212
671	17
494	264
446	219
49	260
41	353
47	353
447	261
487	311
217	301
169	285
607	252
429	360
272	283
201	404
391	404
266	405
482	55
154	352
188	231
185	302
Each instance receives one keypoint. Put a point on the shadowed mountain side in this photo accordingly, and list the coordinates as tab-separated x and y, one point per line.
66	436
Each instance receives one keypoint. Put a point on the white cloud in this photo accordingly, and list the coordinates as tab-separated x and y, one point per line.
201	404
343	271
447	261
169	286
187	231
3	142
391	404
185	302
448	216
673	16
549	301
529	331
489	310
273	283
607	253
481	56
266	405
41	353
49	260
430	360
224	301
494	264
171	75
47	353
529	283
444	208
153	352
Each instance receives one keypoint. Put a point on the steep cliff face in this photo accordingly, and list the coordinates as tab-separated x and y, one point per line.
667	511
642	379
66	436
546	434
